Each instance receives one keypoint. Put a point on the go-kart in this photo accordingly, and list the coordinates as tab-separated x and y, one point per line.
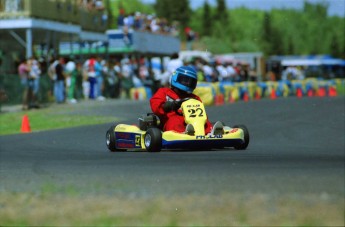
150	137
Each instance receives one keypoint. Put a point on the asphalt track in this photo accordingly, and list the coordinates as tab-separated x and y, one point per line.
297	147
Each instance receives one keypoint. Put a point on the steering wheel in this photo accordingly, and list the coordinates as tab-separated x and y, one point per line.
180	103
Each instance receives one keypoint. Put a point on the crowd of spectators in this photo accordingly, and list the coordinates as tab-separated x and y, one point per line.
146	22
91	5
97	79
134	20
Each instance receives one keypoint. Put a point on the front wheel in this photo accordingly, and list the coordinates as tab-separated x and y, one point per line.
244	145
153	140
110	139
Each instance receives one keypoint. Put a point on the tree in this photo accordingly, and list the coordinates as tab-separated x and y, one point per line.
206	20
174	10
221	12
335	47
291	48
277	44
267	33
317	10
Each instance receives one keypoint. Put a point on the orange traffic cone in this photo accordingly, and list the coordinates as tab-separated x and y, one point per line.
310	93
231	99
245	97
136	94
321	92
273	94
219	99
257	95
25	124
332	91
299	93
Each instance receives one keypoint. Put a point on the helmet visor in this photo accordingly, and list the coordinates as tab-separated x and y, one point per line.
187	81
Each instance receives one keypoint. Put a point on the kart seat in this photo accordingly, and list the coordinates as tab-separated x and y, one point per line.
149	121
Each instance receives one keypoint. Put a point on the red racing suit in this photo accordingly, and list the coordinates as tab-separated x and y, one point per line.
171	120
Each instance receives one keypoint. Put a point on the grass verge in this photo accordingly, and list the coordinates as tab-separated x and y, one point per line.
19	209
48	118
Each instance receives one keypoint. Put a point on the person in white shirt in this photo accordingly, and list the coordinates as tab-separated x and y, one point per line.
222	72
172	65
208	72
231	72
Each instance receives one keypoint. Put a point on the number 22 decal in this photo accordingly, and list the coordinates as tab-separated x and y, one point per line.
194	112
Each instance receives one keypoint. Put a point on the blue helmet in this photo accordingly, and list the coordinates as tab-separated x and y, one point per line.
184	78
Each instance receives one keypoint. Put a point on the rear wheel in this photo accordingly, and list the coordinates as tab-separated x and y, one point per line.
244	145
110	139
153	140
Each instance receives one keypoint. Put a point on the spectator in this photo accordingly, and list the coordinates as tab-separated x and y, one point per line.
222	72
190	36
231	72
117	78
120	19
23	72
293	73
243	72
126	79
92	69
209	75
253	75
34	81
271	76
174	29
71	78
144	73
129	21
172	65
52	75
59	84
79	81
155	28
100	79
110	81
138	21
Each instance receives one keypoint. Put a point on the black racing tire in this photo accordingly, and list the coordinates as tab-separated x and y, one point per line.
244	145
110	139
153	140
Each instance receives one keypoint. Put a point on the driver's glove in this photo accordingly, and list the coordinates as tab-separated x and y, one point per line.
171	106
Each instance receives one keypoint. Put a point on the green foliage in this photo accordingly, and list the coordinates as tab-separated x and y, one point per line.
221	12
174	10
128	7
206	20
277	32
47	119
216	45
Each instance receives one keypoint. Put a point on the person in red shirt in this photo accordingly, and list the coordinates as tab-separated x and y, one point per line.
164	103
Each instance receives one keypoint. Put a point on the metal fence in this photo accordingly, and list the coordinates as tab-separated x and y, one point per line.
11	85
